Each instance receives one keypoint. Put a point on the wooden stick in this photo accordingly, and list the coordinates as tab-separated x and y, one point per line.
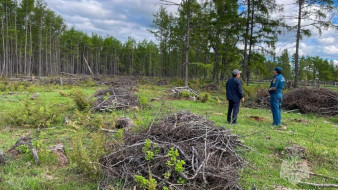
88	66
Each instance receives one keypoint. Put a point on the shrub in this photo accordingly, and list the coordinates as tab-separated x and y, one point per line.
144	103
80	99
88	83
87	159
204	97
34	115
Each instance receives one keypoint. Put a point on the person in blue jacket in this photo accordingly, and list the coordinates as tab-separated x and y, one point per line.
276	96
234	95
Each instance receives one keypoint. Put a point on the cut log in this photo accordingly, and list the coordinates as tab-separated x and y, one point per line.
59	151
34	96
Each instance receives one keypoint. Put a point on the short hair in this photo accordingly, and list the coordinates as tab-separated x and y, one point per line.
234	75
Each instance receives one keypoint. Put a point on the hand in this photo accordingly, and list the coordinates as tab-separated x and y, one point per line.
242	99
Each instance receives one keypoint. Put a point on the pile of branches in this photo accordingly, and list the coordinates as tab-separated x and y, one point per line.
261	100
115	98
312	100
209	153
178	91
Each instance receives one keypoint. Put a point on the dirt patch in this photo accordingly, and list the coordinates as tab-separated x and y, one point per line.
256	118
310	100
208	152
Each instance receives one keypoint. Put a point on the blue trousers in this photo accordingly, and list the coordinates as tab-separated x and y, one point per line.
234	109
276	104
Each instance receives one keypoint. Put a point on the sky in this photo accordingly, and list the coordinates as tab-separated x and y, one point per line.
132	18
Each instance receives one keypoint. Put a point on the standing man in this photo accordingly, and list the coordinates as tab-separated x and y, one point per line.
234	94
275	90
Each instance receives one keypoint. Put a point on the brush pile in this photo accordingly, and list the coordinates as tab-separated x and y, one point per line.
312	100
115	98
184	92
208	152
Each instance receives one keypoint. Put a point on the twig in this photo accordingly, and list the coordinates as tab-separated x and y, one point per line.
320	185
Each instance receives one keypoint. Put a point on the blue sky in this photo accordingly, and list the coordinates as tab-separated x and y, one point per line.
124	18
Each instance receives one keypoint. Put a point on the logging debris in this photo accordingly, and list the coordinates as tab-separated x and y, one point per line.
209	153
185	92
115	98
312	100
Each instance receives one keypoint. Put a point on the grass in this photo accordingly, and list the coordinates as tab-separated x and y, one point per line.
319	136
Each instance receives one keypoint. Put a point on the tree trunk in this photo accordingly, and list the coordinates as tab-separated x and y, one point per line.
246	36
300	4
250	44
186	81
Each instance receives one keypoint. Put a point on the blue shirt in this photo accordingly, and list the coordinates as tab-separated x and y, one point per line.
278	82
234	90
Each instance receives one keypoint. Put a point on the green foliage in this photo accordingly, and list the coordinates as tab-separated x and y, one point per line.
105	98
204	97
87	159
88	83
174	162
250	92
149	184
185	94
150	149
35	115
143	101
80	99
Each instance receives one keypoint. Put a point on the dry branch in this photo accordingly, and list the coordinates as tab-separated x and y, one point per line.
310	100
208	151
115	98
320	185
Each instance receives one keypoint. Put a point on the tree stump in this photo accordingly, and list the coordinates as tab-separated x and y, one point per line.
124	122
2	157
25	141
59	151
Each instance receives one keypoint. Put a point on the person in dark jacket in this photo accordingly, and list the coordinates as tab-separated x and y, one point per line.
234	95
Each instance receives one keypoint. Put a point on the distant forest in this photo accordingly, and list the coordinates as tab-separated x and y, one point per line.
202	39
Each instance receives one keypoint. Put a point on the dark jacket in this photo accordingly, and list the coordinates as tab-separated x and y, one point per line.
234	90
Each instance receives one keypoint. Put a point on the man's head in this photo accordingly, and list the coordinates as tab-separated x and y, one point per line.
236	73
277	71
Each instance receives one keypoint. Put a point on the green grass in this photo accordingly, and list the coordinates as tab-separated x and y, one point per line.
319	136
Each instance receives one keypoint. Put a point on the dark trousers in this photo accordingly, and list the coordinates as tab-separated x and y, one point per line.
234	109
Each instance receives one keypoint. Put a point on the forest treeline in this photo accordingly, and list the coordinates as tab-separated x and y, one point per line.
206	40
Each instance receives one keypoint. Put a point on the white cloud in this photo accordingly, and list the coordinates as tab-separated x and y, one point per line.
332	50
131	18
324	45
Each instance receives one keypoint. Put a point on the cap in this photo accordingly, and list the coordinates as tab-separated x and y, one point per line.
279	70
236	71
